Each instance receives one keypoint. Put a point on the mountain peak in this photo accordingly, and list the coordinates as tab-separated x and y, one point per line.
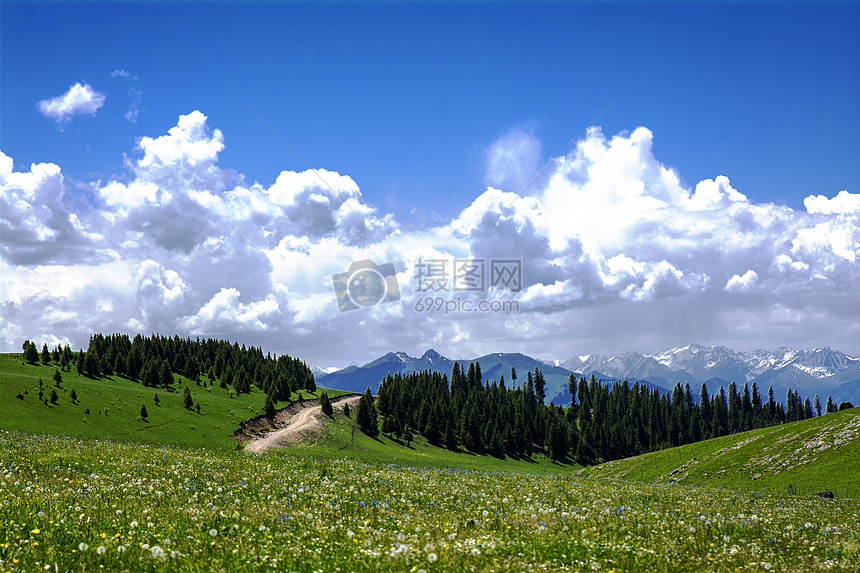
432	356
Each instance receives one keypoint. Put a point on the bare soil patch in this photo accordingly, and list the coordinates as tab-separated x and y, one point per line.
296	423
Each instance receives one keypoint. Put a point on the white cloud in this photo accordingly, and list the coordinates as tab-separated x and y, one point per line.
81	98
743	283
225	313
134	93
512	161
616	252
844	202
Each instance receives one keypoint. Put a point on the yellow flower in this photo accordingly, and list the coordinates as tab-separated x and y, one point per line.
36	531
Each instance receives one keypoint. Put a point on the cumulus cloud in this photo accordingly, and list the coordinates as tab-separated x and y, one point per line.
35	226
743	283
80	99
616	254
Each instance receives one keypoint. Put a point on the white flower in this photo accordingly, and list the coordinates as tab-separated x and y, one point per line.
431	557
213	532
134	524
83	546
157	552
121	548
428	548
101	549
476	551
350	533
485	513
765	564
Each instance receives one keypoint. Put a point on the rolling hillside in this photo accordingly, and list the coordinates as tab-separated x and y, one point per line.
815	455
109	407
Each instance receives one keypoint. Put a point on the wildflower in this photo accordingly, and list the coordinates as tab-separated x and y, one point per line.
121	548
350	533
431	557
213	532
476	551
83	546
36	531
101	549
157	552
134	524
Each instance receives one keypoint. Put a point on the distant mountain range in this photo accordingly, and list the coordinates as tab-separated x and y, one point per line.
820	371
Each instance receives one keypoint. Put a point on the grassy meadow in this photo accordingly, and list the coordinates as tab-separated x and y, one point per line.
82	505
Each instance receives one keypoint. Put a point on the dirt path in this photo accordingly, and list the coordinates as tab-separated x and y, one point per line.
299	426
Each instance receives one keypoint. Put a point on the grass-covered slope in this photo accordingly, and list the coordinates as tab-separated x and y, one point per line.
815	455
114	405
83	505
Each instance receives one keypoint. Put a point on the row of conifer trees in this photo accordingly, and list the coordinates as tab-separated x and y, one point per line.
603	422
153	360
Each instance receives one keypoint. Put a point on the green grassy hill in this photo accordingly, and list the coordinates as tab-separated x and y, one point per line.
819	454
114	405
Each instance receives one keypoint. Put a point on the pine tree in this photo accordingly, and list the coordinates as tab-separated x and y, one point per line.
73	396
325	405
143	413
31	354
165	376
366	416
155	399
831	407
187	401
53	396
346	410
817	405
269	407
58	378
46	355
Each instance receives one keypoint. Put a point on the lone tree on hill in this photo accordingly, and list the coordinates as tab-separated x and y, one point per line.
143	413
325	405
73	396
53	396
58	378
346	410
187	401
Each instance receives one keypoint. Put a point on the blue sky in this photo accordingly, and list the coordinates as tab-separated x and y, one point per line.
410	99
404	97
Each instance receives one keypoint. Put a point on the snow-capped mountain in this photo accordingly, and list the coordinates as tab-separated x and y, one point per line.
808	371
820	371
